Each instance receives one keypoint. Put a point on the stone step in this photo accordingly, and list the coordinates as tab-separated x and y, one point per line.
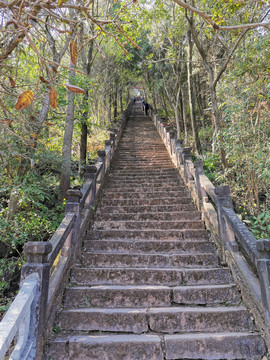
215	346
149	246
106	347
154	216
142	178
113	296
206	295
142	167
149	234
133	260
162	155
199	319
143	194
137	225
144	209
136	159
146	202
137	276
157	172
147	162
150	183
168	320
114	185
147	187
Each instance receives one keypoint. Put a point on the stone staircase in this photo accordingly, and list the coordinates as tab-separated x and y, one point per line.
149	284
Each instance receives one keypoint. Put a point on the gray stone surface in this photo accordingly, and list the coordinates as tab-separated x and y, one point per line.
229	346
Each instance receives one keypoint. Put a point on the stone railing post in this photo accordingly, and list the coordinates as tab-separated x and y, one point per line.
199	170
102	158
187	157
112	139
172	138
108	151
73	205
91	173
226	234
263	266
178	146
167	137
37	262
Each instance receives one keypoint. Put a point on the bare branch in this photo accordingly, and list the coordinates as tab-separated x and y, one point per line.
208	19
224	66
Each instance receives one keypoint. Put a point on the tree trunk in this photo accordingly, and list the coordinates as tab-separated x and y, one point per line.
83	149
184	116
121	100
191	97
67	142
177	121
115	92
199	99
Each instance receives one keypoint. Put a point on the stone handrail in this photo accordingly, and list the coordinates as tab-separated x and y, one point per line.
30	319
248	258
18	320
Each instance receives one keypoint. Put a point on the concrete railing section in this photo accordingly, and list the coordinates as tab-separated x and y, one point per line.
29	321
248	258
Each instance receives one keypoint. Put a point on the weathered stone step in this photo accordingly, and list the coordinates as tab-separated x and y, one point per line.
136	177
155	246
157	172
218	346
134	260
168	277
144	159
202	319
143	194
151	234
106	347
153	216
143	156
125	150
118	296
144	209
138	162
108	296
142	167
150	183
145	202
137	225
227	294
115	185
165	320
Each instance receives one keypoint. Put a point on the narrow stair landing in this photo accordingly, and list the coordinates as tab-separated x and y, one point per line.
149	285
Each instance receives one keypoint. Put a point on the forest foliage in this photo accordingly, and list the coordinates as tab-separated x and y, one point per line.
68	69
